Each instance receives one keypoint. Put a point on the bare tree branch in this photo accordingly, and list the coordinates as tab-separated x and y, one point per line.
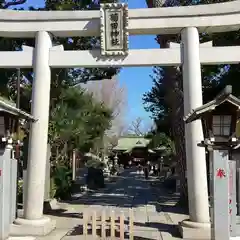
137	127
113	95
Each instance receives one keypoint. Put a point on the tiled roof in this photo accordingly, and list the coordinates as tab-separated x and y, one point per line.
224	96
127	143
10	107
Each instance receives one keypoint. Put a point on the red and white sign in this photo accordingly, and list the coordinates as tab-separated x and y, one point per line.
221	173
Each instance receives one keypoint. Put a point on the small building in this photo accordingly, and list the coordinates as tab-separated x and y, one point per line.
135	149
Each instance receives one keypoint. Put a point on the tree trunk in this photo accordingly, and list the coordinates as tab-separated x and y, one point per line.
173	83
174	97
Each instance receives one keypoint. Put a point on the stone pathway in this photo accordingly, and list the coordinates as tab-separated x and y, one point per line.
131	190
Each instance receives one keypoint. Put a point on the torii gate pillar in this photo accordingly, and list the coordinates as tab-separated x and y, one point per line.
38	139
196	157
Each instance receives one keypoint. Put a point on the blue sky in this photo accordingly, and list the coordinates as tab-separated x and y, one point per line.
136	79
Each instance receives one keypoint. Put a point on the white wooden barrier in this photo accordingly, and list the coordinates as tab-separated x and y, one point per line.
103	226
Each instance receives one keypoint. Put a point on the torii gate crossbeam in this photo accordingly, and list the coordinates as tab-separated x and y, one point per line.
135	58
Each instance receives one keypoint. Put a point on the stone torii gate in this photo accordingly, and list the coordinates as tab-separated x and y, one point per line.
188	21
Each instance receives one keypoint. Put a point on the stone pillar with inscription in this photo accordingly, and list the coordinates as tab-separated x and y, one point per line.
223	195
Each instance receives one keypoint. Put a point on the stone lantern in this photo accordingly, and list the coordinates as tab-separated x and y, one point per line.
115	160
106	163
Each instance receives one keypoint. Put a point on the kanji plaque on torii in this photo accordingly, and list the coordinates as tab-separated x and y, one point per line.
114	29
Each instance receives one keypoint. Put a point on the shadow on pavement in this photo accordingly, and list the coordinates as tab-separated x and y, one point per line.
129	191
64	213
161	227
152	227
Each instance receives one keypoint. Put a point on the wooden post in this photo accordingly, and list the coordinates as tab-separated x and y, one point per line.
85	224
94	224
112	223
131	233
74	165
121	226
103	225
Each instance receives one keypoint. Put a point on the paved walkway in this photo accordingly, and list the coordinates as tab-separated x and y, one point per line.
151	220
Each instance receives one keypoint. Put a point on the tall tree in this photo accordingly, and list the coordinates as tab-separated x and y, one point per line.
165	99
78	122
168	81
113	96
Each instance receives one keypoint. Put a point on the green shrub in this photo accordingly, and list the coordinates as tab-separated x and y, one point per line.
94	163
95	178
62	182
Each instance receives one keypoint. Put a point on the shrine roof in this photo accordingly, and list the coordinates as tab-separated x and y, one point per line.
10	107
128	143
8	101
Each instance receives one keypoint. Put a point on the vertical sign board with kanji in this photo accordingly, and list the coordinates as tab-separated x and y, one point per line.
220	197
232	197
114	29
